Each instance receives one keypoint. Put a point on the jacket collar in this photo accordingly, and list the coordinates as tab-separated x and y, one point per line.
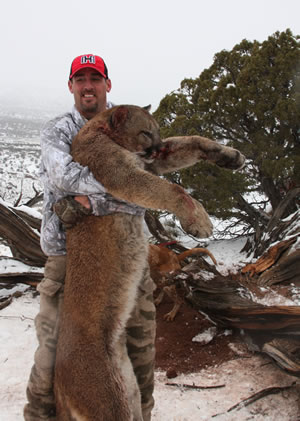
79	119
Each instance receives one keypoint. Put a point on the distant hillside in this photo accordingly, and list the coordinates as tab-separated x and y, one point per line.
20	155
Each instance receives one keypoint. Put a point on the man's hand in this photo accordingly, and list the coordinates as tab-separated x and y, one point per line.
71	210
84	201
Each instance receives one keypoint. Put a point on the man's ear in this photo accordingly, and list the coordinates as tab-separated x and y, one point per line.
119	116
147	108
70	86
108	85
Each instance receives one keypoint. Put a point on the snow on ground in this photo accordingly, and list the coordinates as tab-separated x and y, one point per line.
228	254
239	379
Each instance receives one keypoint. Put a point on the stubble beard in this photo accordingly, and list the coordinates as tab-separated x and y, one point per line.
93	107
90	108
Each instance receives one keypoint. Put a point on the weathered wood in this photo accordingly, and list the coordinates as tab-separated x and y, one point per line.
282	319
287	269
31	220
20	237
194	386
278	224
4	302
269	258
16	271
286	353
228	301
156	228
39	196
280	211
258	395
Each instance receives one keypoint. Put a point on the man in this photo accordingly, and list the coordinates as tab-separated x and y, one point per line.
89	83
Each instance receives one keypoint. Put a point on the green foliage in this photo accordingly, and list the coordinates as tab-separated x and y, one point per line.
250	98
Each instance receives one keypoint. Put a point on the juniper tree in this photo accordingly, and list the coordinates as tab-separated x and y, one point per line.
250	99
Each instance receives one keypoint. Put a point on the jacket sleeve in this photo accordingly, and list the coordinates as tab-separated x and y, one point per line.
62	173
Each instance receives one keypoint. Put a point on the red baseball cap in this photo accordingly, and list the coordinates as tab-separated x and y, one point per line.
88	60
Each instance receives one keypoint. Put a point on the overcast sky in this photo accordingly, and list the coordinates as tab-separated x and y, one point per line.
149	46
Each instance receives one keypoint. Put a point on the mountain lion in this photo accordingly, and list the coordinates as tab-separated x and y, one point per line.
106	256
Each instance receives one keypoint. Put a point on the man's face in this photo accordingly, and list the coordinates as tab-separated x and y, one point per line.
89	89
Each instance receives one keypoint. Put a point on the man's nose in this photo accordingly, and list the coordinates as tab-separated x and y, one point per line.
88	83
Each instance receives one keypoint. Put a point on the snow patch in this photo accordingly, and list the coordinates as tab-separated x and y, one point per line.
205	337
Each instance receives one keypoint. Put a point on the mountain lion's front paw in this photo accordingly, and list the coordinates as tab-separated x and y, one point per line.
197	223
230	158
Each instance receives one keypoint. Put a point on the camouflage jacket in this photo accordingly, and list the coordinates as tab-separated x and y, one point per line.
62	177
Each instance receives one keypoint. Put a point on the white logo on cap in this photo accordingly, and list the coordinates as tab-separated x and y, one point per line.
88	59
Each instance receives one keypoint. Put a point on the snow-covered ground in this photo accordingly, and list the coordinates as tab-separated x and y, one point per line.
239	379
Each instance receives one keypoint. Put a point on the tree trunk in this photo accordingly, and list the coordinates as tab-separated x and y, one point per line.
20	237
278	224
271	191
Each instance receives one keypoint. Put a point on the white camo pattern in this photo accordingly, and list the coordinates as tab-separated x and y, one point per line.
62	177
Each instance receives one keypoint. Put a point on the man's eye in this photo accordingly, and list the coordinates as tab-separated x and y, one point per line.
147	133
96	78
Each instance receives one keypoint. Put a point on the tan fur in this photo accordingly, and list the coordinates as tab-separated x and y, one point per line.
106	259
163	261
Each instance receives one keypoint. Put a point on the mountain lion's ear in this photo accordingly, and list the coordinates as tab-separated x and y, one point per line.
147	108
119	116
